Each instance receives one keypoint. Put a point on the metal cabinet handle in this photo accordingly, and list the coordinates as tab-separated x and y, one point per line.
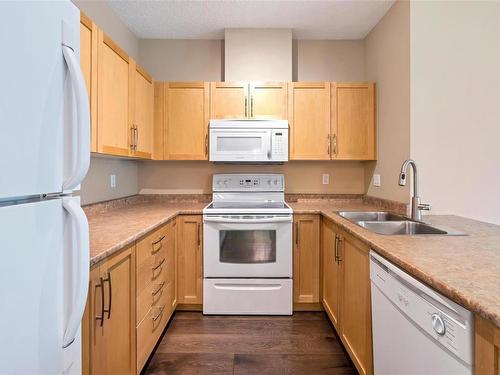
296	233
132	137
199	235
110	290
336	248
251	106
334	142
155	318
159	265
154	243
246	106
206	144
328	148
136	137
339	257
100	318
158	290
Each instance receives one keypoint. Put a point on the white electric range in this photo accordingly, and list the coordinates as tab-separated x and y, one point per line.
247	246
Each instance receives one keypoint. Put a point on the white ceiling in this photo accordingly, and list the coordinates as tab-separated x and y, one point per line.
207	19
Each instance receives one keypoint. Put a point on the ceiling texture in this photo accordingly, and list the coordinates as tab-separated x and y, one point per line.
207	19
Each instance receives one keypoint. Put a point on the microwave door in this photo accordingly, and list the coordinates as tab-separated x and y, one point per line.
230	145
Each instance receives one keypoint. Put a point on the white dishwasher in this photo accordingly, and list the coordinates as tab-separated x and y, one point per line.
415	329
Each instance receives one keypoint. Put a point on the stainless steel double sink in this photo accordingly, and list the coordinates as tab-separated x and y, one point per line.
389	223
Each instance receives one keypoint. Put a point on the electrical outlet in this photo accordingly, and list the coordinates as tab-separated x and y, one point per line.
376	180
113	180
326	179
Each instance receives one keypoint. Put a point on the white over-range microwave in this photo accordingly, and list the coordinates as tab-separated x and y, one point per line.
248	141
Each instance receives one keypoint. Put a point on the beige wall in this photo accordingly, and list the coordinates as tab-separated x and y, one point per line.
455	111
328	60
258	55
301	177
96	186
183	60
387	62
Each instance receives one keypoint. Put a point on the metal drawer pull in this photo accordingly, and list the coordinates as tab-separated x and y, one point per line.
101	317
155	318
160	289
336	248
110	290
159	265
158	241
340	249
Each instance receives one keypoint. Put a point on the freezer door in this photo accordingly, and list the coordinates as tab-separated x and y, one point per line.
40	288
40	106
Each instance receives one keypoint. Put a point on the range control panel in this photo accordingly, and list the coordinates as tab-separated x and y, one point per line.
248	182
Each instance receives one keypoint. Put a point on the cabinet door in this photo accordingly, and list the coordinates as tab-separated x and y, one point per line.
229	100
159	120
355	323
487	347
118	285
143	113
332	272
268	100
113	98
306	259
186	121
353	121
88	63
189	251
309	118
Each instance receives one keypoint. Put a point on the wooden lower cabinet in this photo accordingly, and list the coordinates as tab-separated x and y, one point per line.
487	347
332	272
346	292
109	324
189	259
306	259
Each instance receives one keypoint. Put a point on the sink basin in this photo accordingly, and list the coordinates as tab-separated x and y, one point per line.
399	227
356	216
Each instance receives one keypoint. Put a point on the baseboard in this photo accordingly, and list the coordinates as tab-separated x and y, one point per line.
189	307
308	307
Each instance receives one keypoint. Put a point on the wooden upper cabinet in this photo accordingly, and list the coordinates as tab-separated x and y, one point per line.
332	272
306	259
309	118
353	121
186	111
189	259
143	113
88	63
268	100
355	323
228	100
113	98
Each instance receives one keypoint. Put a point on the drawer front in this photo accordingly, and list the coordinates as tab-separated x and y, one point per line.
150	329
150	297
152	244
152	270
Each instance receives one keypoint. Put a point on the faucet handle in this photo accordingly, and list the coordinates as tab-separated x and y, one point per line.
424	207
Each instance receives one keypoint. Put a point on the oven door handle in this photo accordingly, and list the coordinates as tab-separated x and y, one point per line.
217	219
236	286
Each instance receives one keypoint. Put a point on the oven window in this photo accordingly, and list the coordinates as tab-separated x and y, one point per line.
247	246
239	144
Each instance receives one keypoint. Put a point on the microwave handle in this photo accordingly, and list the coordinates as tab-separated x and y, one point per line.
269	150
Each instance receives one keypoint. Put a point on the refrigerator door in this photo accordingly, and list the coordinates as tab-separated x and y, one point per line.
42	115
42	284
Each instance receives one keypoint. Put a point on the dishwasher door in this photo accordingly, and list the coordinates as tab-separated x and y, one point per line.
416	331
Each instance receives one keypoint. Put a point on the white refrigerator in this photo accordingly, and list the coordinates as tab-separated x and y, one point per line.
44	156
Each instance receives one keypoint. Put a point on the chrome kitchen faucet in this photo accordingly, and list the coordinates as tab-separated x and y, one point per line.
416	206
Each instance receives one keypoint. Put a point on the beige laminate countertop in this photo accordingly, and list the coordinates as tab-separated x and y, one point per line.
464	268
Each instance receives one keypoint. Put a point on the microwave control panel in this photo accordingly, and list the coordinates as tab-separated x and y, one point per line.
279	143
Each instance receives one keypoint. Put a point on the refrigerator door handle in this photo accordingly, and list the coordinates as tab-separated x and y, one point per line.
81	153
80	282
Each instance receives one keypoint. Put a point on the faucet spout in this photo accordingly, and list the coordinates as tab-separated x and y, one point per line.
416	207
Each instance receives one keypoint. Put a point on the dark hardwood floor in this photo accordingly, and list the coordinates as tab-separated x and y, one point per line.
218	345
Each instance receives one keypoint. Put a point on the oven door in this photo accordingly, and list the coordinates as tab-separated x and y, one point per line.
247	246
240	145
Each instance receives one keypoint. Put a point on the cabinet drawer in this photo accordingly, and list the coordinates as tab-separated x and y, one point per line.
151	244
150	329
152	270
151	296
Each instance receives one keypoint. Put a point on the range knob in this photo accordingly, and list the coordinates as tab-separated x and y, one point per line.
438	324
